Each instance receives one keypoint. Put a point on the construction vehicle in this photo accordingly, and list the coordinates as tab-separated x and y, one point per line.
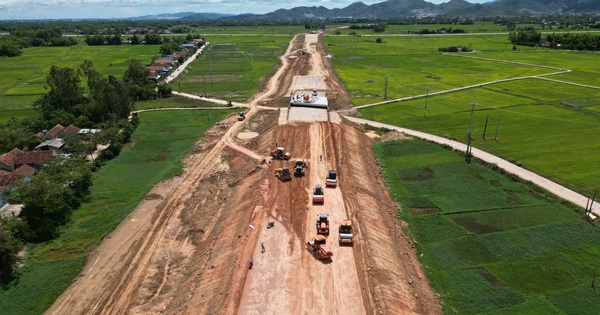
346	236
279	154
318	194
283	173
300	167
322	224
241	116
331	180
318	246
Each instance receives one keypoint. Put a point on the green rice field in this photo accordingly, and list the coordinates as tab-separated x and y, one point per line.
491	245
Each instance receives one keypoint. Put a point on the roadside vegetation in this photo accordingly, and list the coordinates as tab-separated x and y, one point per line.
489	243
159	143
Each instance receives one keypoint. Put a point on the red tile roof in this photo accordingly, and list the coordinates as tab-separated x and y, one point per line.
162	62
55	130
18	157
8	178
24	170
72	130
10	157
37	157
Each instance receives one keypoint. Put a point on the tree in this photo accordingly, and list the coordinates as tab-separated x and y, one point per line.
15	135
65	98
136	73
135	40
379	40
10	49
153	39
51	195
9	248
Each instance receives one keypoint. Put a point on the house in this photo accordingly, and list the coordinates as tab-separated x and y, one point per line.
179	54
57	145
15	158
55	131
17	166
21	174
58	131
188	46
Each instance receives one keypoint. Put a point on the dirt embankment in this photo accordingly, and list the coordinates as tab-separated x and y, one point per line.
186	248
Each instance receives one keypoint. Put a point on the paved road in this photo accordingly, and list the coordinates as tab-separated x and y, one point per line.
186	63
545	183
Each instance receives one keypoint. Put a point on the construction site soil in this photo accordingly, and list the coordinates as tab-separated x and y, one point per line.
186	248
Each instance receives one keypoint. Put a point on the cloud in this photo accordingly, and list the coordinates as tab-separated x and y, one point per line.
84	9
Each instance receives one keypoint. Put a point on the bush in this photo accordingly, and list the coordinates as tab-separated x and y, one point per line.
9	248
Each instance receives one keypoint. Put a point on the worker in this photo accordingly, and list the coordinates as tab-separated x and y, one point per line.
251	263
321	157
263	247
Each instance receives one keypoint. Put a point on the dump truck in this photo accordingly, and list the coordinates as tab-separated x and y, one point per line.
280	154
322	224
331	180
318	194
318	246
241	116
346	236
283	173
299	167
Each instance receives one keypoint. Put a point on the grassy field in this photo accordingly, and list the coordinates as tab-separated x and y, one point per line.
491	245
546	126
24	77
233	67
159	143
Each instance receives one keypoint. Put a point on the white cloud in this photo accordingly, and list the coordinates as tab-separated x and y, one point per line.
82	9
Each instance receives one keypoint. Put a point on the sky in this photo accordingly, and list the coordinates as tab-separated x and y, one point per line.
96	9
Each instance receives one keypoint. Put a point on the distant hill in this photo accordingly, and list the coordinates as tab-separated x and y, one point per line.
207	16
412	8
165	16
182	15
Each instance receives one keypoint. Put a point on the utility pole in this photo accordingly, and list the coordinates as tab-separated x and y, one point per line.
386	84
468	152
162	103
497	125
426	97
485	127
210	68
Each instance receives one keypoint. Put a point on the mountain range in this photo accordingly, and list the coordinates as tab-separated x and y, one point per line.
410	8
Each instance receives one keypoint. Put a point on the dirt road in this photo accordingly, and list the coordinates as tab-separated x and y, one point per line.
185	249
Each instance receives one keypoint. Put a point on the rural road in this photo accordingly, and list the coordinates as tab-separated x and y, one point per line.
545	183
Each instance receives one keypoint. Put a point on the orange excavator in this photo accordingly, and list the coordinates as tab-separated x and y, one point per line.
318	246
322	224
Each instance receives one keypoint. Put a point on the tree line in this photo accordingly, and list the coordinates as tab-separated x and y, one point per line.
84	97
12	45
376	27
570	41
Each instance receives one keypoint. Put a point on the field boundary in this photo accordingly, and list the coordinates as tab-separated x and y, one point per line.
524	174
540	77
